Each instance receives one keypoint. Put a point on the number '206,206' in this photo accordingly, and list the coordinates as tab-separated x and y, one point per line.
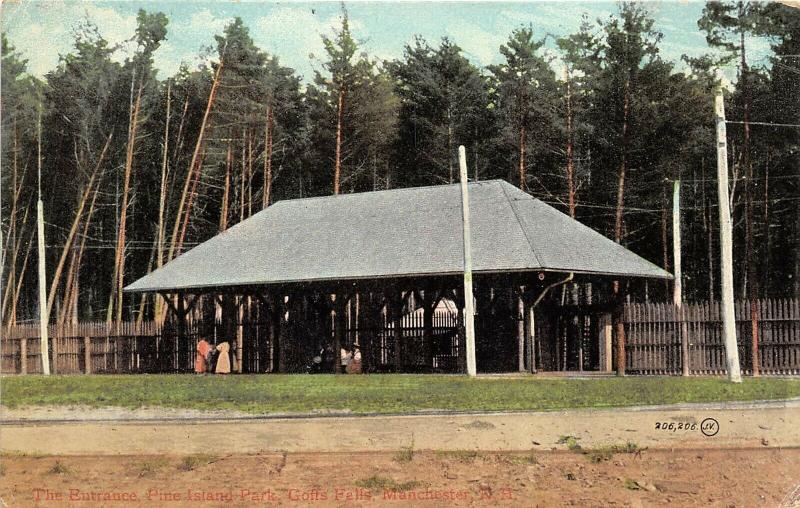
676	426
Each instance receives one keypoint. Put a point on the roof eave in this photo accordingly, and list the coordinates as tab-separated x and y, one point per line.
629	275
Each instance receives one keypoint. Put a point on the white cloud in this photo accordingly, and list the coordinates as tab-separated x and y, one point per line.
476	42
43	31
294	33
186	40
291	27
168	59
205	23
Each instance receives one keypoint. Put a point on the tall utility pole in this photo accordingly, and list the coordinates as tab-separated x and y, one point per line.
677	288
469	304
726	246
43	310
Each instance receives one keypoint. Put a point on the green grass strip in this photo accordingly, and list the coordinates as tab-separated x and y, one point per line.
260	394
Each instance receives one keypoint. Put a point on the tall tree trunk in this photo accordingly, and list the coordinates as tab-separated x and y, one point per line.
11	241
522	175
190	201
618	216
337	171
709	233
450	147
73	230
570	157
143	297
665	207
622	166
268	158
162	197
119	258
158	300
223	212
766	220
73	273
14	232
11	280
179	137
250	173
242	183
750	265
193	165
15	299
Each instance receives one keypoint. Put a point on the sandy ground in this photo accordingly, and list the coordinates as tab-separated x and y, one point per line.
154	457
723	478
739	425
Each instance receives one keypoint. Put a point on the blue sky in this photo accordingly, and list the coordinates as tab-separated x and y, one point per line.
42	30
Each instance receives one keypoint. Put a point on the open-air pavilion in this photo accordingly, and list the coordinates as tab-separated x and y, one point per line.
306	274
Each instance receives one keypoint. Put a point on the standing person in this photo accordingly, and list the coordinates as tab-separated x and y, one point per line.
346	357
201	358
224	361
354	366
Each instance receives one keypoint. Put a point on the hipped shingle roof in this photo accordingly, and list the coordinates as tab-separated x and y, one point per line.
397	233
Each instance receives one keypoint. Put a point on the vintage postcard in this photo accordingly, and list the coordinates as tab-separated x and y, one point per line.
400	253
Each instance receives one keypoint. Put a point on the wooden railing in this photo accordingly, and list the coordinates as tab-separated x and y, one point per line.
654	343
655	332
129	347
84	348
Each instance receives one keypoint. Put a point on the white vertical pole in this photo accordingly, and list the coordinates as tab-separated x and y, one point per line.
677	293
469	304
726	246
520	334
44	313
677	290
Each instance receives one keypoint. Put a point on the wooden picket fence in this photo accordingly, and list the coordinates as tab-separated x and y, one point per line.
93	347
654	335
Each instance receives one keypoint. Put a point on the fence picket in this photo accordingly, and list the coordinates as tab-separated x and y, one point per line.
654	341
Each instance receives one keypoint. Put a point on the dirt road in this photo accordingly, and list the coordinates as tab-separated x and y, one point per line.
769	424
716	478
745	454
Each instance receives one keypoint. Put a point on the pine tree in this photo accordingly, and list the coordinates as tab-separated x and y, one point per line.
444	104
526	100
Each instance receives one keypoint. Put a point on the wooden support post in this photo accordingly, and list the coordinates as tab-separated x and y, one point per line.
755	317
458	298
619	326
397	323
54	349
23	355
427	332
684	332
275	317
229	325
368	339
606	343
369	316
520	332
265	363
284	330
532	339
183	344
243	302
87	355
579	334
